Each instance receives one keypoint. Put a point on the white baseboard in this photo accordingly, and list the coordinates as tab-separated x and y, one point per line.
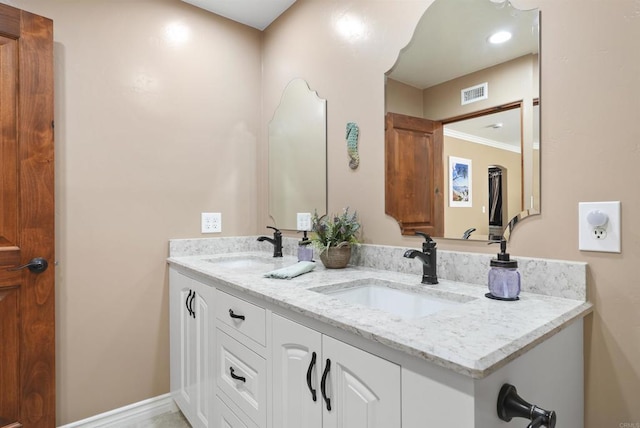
129	415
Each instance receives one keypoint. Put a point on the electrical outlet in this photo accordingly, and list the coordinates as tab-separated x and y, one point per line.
304	221
599	226
211	223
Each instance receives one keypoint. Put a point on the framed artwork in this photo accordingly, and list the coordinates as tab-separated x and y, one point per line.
460	182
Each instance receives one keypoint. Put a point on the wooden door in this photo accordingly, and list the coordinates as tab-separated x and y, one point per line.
414	175
27	317
297	362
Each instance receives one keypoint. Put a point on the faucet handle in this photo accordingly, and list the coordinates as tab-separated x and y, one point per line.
428	242
277	231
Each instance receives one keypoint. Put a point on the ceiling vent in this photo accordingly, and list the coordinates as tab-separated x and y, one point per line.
474	93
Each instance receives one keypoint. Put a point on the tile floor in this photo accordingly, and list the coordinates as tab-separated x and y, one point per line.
167	420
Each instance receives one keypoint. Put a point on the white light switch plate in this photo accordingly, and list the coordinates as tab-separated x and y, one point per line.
605	238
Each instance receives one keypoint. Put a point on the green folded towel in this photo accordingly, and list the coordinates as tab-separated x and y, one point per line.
291	271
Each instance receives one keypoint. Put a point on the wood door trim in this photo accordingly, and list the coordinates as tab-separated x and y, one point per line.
9	21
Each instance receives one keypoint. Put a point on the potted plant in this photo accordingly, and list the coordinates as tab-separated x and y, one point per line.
333	236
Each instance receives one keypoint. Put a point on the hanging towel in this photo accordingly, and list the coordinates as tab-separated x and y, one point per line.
291	271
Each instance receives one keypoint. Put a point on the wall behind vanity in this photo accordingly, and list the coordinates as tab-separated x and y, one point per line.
590	102
157	117
149	134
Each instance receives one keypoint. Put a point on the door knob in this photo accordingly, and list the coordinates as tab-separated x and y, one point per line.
36	265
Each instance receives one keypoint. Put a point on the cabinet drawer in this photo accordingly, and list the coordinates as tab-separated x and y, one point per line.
226	418
242	376
242	316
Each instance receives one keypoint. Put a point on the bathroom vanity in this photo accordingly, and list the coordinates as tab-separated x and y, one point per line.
250	351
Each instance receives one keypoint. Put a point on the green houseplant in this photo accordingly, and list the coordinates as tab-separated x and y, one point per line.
333	236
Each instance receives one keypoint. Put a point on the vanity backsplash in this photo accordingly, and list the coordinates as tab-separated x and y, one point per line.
557	278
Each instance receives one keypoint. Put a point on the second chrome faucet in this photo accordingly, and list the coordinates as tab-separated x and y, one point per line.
428	256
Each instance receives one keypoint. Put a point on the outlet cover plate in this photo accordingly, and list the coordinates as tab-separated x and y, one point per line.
304	221
604	238
211	223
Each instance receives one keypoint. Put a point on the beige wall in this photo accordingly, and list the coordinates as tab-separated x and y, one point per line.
149	135
150	132
590	92
402	98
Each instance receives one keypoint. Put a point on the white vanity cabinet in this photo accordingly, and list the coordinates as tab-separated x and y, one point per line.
352	388
240	361
191	334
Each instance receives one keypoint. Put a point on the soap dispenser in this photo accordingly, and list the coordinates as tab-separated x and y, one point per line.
504	278
305	252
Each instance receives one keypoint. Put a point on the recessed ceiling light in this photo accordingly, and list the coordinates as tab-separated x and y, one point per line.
499	37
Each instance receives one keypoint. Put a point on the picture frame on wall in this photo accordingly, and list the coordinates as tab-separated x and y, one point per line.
460	182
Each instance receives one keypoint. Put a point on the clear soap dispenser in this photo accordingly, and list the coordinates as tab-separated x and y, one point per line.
305	252
504	278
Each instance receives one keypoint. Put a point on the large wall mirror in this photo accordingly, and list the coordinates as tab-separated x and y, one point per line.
297	155
482	101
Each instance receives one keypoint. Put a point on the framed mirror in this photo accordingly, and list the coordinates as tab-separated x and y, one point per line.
297	155
483	98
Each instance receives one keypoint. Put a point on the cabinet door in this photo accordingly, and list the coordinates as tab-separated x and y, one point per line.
182	338
296	363
202	320
192	352
363	389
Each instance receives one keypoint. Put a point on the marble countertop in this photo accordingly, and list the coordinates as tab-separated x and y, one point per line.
473	338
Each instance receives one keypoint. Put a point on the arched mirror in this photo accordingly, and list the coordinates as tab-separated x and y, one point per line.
297	155
456	104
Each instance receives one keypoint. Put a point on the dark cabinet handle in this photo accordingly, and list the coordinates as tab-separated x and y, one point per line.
193	312
232	315
235	376
323	384
186	302
309	370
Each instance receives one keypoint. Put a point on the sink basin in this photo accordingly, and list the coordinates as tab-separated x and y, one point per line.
387	296
248	262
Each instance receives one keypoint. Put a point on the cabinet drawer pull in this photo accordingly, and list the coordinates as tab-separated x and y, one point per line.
235	376
323	384
232	315
309	370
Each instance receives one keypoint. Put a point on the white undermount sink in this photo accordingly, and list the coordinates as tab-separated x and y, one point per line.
386	296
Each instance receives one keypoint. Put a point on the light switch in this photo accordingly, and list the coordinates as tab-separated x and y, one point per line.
599	226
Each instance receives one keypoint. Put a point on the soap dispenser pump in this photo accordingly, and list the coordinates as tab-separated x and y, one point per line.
305	252
504	278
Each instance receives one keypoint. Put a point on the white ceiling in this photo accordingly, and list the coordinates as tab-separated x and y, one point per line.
254	13
450	41
500	130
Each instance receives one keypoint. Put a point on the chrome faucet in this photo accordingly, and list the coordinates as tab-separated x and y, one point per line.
276	241
428	257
